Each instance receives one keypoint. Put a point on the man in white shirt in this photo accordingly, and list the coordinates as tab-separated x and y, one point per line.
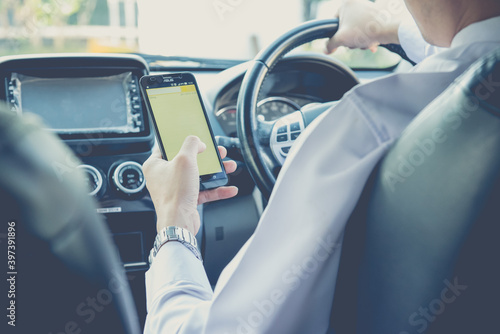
283	279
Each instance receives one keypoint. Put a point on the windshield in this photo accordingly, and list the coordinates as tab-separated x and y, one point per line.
221	29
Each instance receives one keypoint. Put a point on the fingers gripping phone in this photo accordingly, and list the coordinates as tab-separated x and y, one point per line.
177	111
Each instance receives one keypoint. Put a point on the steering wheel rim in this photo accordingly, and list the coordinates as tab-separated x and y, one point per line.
248	98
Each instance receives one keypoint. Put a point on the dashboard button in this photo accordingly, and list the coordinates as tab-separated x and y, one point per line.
285	150
294	135
283	129
295	127
282	138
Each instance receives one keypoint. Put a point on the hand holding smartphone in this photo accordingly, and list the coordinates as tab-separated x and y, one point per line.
177	111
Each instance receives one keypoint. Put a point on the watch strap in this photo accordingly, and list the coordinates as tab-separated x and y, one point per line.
174	233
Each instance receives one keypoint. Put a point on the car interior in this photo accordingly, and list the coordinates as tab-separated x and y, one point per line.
74	133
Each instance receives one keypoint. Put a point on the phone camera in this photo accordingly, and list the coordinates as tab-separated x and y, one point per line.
152	79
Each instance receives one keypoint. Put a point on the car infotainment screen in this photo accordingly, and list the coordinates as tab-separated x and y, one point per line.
109	104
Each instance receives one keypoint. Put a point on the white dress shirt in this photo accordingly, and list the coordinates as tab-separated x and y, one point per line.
412	41
283	279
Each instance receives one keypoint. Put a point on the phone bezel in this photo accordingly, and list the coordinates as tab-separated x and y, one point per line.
207	181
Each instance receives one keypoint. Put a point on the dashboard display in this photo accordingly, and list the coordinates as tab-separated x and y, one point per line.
268	109
227	119
80	105
274	108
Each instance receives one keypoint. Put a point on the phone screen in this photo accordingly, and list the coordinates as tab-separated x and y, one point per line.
178	113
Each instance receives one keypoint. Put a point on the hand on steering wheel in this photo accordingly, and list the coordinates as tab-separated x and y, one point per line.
364	25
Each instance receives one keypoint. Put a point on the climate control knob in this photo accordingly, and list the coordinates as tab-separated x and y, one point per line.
128	177
94	179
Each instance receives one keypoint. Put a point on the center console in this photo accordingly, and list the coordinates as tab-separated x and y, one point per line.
93	103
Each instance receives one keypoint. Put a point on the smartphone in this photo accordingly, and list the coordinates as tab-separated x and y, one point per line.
177	111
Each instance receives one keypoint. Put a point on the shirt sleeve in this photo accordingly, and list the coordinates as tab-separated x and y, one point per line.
414	44
178	293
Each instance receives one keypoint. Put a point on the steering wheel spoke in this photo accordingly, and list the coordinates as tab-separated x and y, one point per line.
263	131
285	132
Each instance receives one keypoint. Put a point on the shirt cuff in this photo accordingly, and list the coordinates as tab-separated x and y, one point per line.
173	263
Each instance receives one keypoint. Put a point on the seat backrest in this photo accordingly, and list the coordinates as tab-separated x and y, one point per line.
69	277
420	249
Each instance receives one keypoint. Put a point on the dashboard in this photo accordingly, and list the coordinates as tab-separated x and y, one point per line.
93	103
269	109
296	81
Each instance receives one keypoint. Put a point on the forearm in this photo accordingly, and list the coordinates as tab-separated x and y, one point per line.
178	292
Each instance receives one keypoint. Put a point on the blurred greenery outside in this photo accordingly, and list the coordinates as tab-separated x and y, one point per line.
111	26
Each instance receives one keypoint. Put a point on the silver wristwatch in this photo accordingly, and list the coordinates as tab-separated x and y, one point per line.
174	233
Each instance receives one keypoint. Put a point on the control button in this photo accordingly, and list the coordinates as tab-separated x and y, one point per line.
136	106
295	127
285	150
128	177
282	138
294	135
94	179
131	179
135	98
282	129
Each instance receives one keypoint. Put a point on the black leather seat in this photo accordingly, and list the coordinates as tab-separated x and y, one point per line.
420	250
69	276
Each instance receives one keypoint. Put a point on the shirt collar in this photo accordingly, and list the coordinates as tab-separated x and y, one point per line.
483	31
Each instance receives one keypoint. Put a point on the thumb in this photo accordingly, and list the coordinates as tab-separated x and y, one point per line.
333	43
192	146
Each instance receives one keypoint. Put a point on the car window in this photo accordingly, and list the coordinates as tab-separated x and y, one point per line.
223	29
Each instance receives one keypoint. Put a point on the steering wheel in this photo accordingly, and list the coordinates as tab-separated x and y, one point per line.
261	147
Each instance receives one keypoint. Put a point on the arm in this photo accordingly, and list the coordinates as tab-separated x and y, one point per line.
178	292
176	284
366	25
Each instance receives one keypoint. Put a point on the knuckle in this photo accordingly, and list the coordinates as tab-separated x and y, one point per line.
182	159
